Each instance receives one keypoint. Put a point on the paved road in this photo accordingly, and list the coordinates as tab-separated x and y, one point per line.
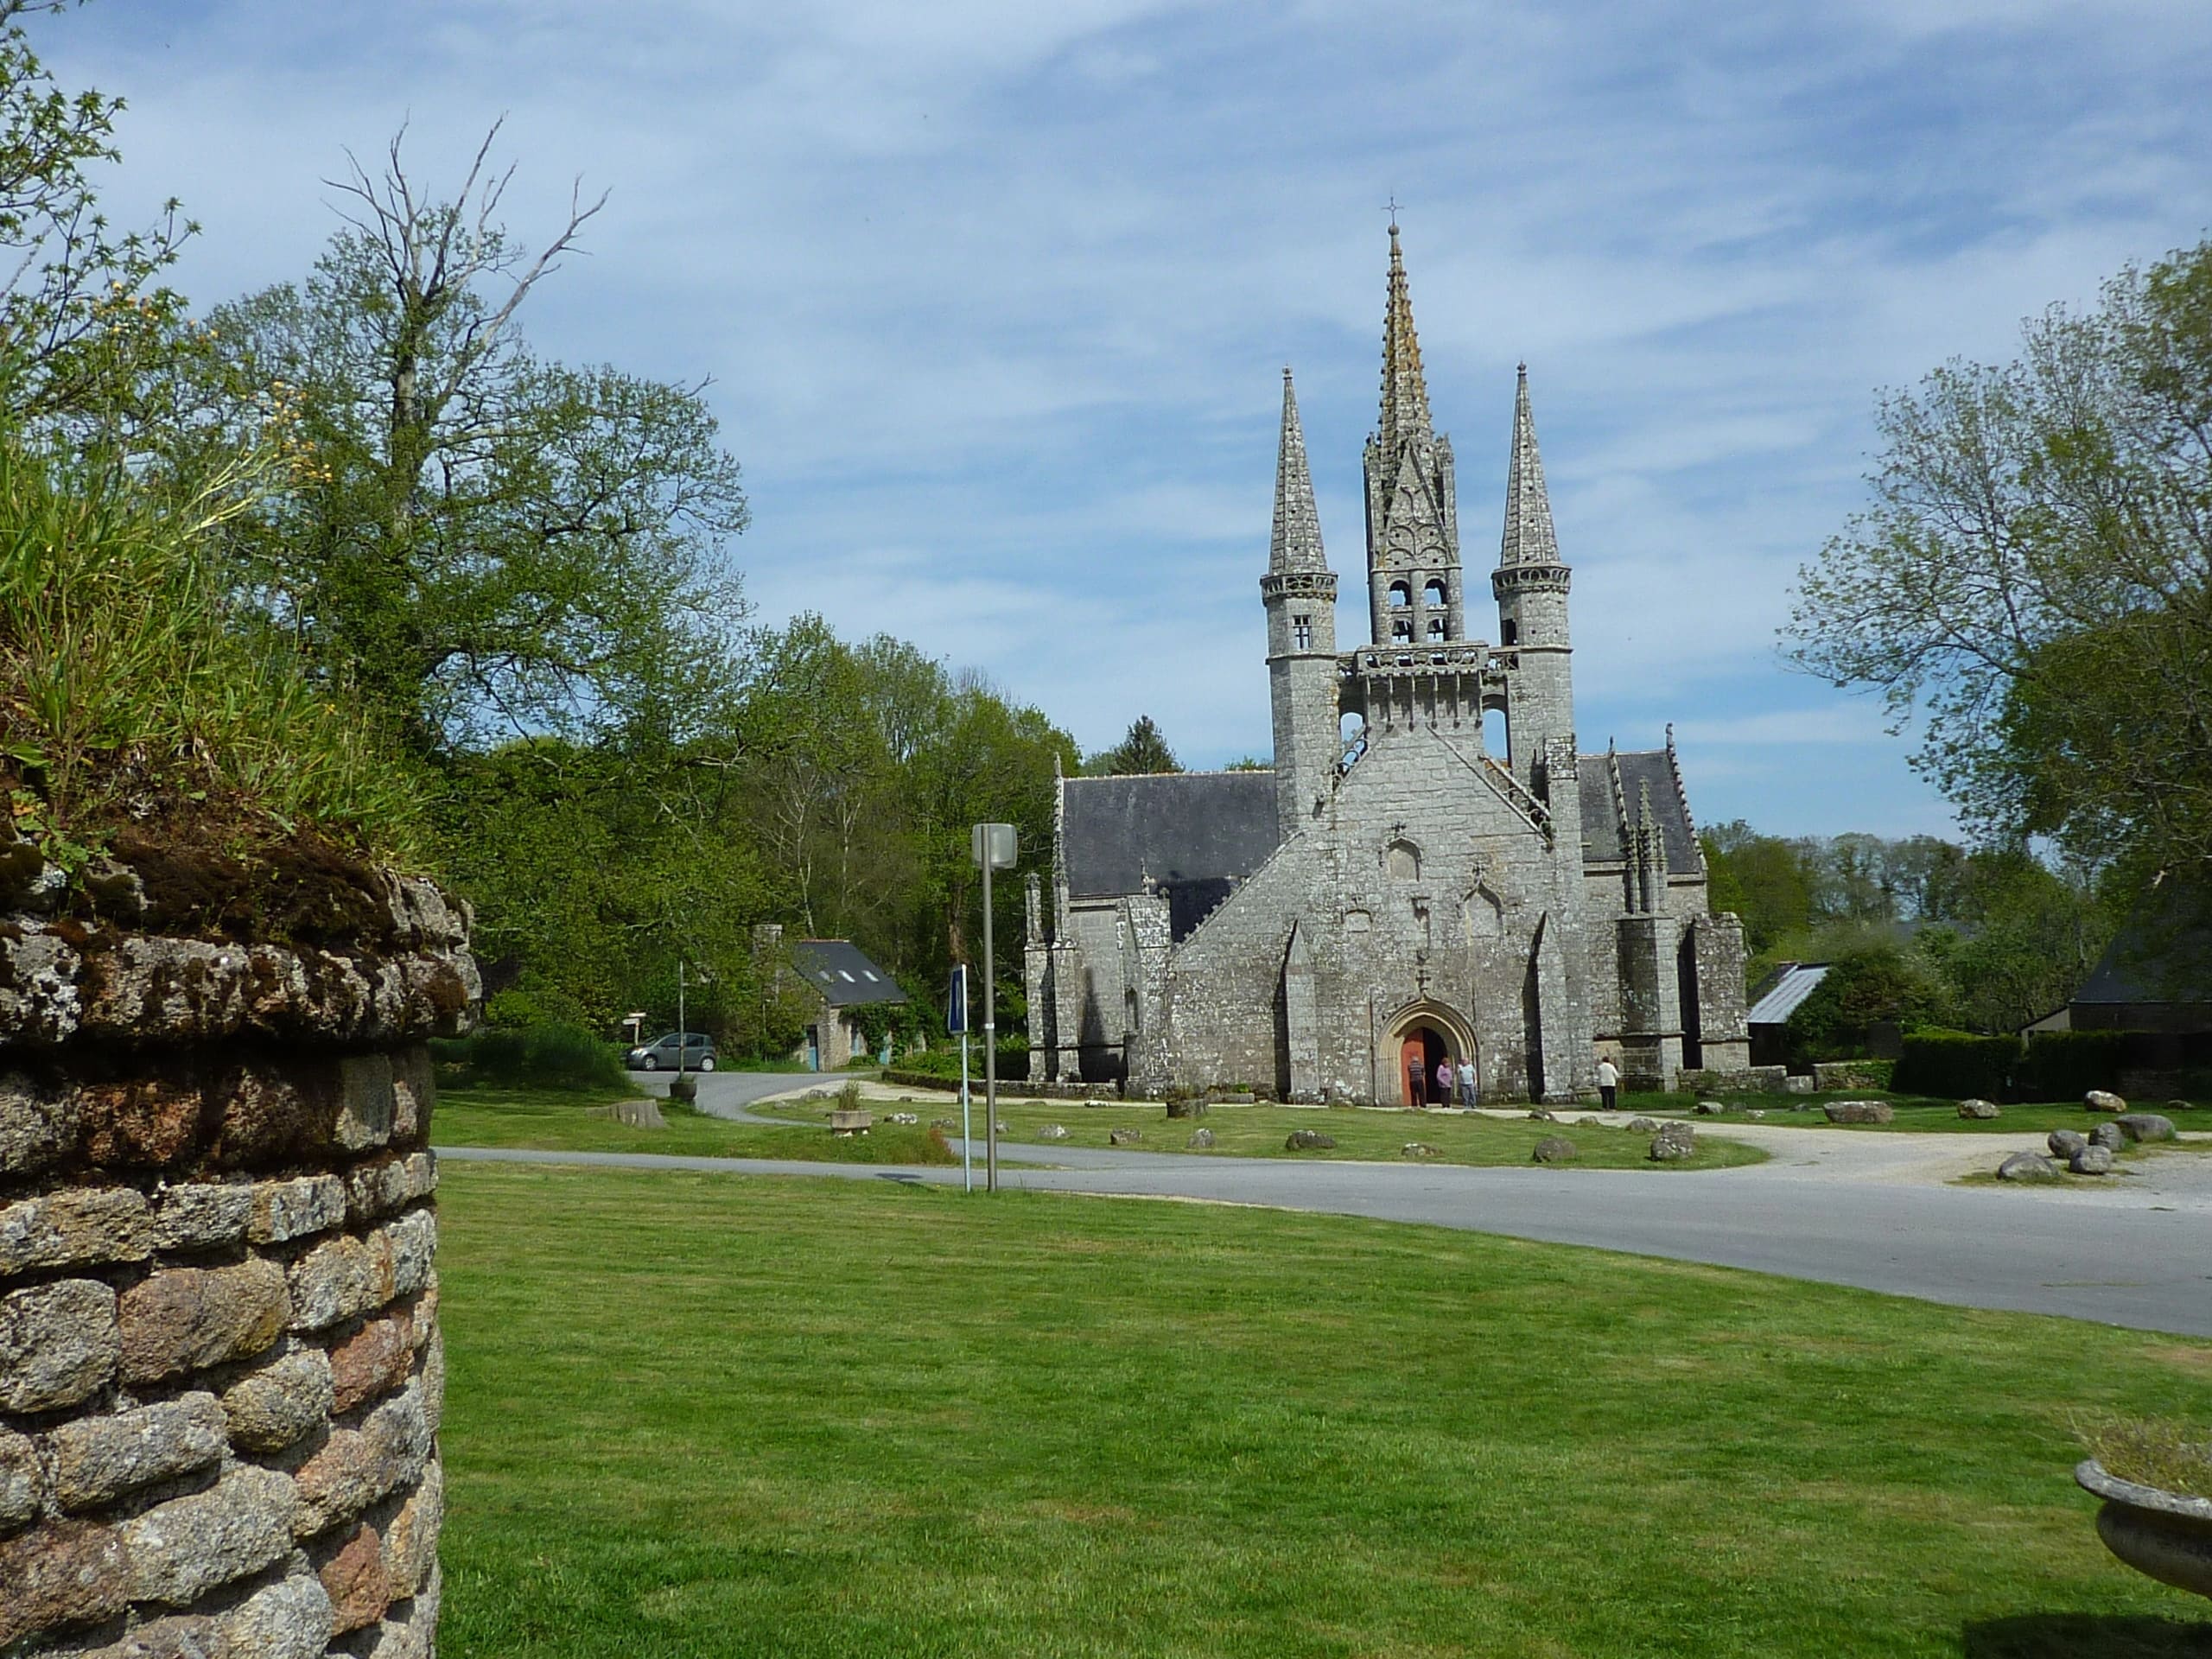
2129	1261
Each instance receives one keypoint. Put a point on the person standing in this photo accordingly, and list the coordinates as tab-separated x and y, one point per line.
1609	1082
1417	1080
1444	1081
1467	1083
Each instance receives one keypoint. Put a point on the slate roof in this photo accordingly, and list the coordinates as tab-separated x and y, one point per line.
1180	827
1785	991
2162	954
840	972
1601	819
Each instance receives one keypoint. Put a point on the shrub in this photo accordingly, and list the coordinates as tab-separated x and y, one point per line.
1957	1064
2067	1065
1877	983
551	1055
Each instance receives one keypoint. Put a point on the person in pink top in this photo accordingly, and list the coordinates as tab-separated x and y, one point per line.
1444	1081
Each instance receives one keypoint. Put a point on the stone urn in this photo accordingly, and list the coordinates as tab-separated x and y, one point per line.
2162	1534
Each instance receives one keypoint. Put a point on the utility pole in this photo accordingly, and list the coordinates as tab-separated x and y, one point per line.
994	845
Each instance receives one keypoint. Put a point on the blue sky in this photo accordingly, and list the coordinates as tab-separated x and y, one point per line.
994	294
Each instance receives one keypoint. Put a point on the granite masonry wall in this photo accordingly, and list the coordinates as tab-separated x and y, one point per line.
221	1372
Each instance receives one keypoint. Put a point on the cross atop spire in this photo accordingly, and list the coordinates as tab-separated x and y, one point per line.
1296	545
1530	537
1405	393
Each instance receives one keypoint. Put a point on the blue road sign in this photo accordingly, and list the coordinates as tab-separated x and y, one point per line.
956	1002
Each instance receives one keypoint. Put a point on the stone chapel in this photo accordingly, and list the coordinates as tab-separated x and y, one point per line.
1400	887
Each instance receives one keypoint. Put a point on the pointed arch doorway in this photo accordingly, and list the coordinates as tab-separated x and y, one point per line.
1423	1034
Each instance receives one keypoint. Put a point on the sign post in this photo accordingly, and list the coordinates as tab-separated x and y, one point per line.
955	1020
993	847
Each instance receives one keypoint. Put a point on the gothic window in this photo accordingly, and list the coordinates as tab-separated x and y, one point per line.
1433	594
1435	629
1484	915
1402	860
1402	632
1496	738
1421	925
1301	633
1401	594
1358	921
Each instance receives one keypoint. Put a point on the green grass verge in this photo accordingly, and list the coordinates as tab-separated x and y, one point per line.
1259	1132
1917	1113
554	1120
696	1415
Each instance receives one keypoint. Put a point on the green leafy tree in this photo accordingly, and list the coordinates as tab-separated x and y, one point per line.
1762	878
2034	576
484	544
1879	982
1144	750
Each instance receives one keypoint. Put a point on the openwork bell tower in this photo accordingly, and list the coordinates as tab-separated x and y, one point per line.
1412	519
1531	584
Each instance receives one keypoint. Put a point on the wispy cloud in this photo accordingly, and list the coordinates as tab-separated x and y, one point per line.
992	293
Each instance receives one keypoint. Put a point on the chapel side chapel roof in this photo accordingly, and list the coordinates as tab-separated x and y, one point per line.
841	972
1784	991
1602	841
1175	827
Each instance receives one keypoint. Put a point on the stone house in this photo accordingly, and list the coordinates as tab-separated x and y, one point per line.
1432	869
839	978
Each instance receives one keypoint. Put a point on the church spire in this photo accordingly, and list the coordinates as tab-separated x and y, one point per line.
1405	393
1530	537
1296	542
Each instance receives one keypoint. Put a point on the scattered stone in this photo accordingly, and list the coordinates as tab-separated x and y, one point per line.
1757	1113
2093	1160
1200	1140
945	1123
1981	1110
1124	1137
1644	1126
910	1119
1309	1140
2110	1136
2099	1100
1001	1126
2180	1106
1673	1142
1539	1115
1709	1108
1054	1132
96	1461
58	1344
2064	1143
1859	1111
2027	1166
1553	1149
1418	1149
2143	1126
1797	1086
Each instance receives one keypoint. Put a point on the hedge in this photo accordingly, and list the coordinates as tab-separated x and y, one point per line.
549	1055
1956	1064
2067	1065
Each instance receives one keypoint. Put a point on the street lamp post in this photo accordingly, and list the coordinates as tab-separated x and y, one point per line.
994	845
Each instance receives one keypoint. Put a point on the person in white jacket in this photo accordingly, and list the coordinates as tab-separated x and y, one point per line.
1609	1082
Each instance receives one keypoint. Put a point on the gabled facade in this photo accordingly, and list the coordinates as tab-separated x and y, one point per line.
1370	908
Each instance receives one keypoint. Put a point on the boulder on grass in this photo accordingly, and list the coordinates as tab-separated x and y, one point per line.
2143	1126
1553	1149
2180	1106
2099	1100
1983	1109
2064	1143
1644	1126
1200	1140
2027	1166
1309	1140
1859	1111
1418	1149
2110	1136
1709	1108
2092	1161
1539	1115
1673	1142
1054	1132
1124	1137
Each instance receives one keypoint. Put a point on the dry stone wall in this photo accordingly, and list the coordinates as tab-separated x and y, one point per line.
220	1373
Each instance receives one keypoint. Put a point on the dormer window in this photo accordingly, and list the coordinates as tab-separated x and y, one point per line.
1402	595
1301	633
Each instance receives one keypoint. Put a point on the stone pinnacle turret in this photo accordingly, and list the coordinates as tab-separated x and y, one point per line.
1405	392
1296	545
1530	537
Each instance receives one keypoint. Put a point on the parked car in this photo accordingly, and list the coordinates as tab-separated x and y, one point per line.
695	1048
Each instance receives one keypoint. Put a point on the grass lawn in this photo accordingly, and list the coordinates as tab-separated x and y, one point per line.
1259	1132
1914	1112
692	1416
555	1120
